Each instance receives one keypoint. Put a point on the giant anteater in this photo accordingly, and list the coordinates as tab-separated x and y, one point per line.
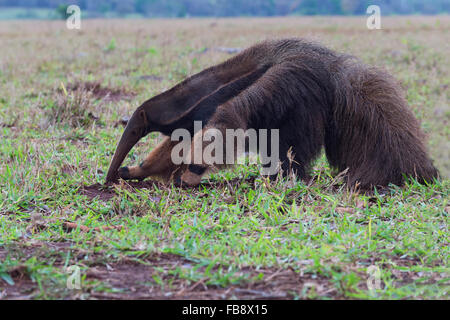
313	95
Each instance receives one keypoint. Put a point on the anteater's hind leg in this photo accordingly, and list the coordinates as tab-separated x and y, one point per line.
289	163
298	152
157	164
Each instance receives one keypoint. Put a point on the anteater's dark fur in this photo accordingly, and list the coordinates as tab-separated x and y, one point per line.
315	97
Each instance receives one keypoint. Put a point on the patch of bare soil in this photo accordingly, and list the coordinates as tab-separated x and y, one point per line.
100	92
134	280
10	124
151	77
106	192
24	287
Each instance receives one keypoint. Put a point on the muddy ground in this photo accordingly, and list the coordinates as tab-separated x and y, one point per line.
102	92
129	279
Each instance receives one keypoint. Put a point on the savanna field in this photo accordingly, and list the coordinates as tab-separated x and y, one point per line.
64	98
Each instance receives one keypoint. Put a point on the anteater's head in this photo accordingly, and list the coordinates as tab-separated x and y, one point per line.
138	127
157	114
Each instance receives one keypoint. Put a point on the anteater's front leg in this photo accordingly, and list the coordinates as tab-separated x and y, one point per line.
209	147
198	164
158	164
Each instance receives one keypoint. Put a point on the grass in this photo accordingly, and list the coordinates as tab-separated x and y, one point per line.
240	236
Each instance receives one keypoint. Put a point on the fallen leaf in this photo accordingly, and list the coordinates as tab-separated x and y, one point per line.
345	210
360	204
71	226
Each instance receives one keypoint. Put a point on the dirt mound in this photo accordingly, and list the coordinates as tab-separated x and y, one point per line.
101	92
106	192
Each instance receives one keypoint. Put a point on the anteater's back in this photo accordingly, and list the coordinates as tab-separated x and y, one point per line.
369	129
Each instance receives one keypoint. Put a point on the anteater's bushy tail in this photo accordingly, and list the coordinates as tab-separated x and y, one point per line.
373	133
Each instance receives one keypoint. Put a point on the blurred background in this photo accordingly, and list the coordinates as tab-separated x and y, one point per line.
56	9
